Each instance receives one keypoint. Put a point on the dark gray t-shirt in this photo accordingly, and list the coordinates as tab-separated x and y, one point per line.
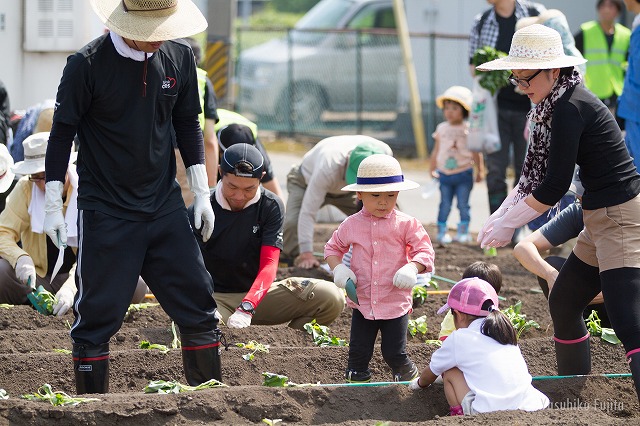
565	226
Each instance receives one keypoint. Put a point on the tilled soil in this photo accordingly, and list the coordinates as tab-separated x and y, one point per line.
28	360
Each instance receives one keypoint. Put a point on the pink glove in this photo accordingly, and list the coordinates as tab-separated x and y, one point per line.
497	214
503	228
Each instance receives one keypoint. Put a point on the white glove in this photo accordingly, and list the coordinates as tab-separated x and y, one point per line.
341	274
406	277
65	299
414	385
25	270
54	225
202	211
501	232
239	319
498	213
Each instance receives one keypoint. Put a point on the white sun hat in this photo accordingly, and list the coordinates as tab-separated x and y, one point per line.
150	20
459	94
35	151
532	48
6	163
380	173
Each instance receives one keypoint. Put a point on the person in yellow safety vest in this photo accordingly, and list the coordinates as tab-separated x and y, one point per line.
605	43
233	128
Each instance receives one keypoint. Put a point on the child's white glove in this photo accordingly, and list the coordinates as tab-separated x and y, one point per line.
415	384
406	277
341	274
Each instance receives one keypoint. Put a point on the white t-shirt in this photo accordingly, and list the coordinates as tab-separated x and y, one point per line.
496	373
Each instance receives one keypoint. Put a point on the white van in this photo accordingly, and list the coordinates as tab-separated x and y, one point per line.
324	66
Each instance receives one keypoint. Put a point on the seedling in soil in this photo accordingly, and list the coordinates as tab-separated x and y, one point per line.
434	342
6	306
164	386
321	337
42	300
63	351
175	343
518	320
418	325
3	394
146	345
137	307
57	398
253	346
419	293
271	422
605	333
276	380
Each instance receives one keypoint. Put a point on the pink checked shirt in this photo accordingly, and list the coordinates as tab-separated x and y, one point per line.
381	246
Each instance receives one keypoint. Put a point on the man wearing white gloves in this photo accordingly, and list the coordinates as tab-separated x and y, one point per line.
390	249
243	252
124	94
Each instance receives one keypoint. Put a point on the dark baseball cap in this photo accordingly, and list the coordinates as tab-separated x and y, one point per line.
234	134
242	160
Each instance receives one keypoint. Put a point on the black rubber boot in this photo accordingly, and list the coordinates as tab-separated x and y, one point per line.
201	357
573	358
634	365
91	368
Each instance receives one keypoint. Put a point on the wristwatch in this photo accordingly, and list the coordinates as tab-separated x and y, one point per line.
247	307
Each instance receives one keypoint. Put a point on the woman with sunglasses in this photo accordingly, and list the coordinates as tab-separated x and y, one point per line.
572	126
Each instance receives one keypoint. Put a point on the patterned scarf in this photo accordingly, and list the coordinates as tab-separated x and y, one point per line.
534	168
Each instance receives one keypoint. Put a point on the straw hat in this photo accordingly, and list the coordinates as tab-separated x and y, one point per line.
459	94
358	154
35	150
6	163
150	20
534	47
380	173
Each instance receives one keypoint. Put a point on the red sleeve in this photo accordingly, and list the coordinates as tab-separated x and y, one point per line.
269	257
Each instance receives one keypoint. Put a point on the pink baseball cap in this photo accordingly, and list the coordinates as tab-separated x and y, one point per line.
468	296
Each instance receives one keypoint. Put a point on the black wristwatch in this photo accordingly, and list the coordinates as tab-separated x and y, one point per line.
247	307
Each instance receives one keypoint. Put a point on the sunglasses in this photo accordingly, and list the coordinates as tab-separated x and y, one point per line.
523	82
36	178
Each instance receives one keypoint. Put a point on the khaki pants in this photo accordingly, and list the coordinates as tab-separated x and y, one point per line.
295	301
296	187
611	237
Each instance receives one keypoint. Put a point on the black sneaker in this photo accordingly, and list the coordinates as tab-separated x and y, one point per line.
353	376
408	376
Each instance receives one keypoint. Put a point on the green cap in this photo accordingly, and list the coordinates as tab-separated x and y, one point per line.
358	154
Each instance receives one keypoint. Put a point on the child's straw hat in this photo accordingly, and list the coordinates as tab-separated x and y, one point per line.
459	94
532	48
380	173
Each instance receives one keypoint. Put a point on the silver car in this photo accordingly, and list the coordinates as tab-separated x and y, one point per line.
344	67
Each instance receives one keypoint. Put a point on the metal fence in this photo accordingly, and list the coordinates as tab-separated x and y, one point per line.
324	83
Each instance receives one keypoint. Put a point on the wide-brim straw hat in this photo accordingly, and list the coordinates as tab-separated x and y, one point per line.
35	151
6	163
150	20
380	173
459	94
532	48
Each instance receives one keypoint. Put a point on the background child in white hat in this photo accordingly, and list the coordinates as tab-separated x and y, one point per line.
452	162
389	249
481	364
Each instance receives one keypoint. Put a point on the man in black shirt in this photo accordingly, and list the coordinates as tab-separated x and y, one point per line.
242	254
122	94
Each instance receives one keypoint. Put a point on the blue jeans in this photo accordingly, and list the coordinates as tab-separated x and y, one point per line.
458	185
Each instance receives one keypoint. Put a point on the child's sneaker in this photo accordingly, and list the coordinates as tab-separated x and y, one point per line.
353	376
